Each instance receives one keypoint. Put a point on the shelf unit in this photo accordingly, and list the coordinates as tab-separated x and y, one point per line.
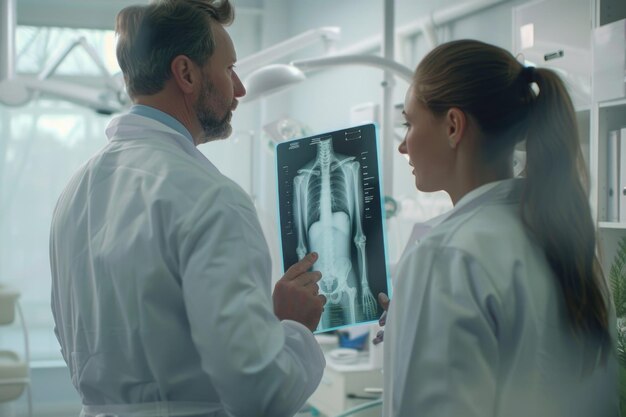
606	116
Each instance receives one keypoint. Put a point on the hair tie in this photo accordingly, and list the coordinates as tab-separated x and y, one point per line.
528	74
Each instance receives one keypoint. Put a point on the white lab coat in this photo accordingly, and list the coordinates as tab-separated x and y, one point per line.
161	287
477	326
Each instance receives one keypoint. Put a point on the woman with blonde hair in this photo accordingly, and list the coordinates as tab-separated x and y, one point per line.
502	309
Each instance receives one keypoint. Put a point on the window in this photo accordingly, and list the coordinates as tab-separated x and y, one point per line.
42	145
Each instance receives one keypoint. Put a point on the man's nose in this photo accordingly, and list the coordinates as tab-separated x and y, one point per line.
239	89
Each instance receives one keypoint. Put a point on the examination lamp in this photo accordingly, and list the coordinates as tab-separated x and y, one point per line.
270	79
276	77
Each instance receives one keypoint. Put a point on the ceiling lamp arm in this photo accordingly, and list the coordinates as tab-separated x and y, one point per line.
396	68
327	35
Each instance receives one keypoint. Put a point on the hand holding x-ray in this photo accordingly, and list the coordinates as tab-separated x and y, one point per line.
296	295
384	302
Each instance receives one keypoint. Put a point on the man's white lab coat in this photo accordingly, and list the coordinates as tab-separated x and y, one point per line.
478	327
161	287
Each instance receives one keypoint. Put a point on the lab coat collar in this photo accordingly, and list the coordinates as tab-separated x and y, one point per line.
161	116
133	126
136	123
508	189
493	191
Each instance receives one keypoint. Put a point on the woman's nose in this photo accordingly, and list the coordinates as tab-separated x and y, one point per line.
402	147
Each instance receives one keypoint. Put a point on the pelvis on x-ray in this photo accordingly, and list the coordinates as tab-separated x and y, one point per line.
328	211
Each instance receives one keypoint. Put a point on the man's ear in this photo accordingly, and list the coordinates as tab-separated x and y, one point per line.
456	126
185	73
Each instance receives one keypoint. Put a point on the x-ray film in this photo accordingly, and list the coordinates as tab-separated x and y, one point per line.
329	199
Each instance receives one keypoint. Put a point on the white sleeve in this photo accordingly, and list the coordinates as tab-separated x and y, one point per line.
443	329
258	365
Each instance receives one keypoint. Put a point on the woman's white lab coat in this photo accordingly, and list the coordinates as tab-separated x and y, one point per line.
161	287
478	327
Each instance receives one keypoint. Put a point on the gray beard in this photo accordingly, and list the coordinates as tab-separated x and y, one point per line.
213	127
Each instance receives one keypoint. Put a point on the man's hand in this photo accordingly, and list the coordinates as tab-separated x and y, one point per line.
296	294
384	303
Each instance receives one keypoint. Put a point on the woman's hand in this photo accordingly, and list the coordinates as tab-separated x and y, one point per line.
384	302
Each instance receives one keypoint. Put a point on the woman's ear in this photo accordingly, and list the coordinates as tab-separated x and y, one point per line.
185	74
456	126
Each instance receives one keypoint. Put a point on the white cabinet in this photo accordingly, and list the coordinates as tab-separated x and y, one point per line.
609	61
608	116
343	387
585	43
556	34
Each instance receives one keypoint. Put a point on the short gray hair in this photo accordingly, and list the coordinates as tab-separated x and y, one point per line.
151	36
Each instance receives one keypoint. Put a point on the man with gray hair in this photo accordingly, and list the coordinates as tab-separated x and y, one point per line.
161	274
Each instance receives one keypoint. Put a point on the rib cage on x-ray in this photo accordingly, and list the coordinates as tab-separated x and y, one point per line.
328	210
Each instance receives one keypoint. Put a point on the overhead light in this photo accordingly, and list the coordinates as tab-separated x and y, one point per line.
273	78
